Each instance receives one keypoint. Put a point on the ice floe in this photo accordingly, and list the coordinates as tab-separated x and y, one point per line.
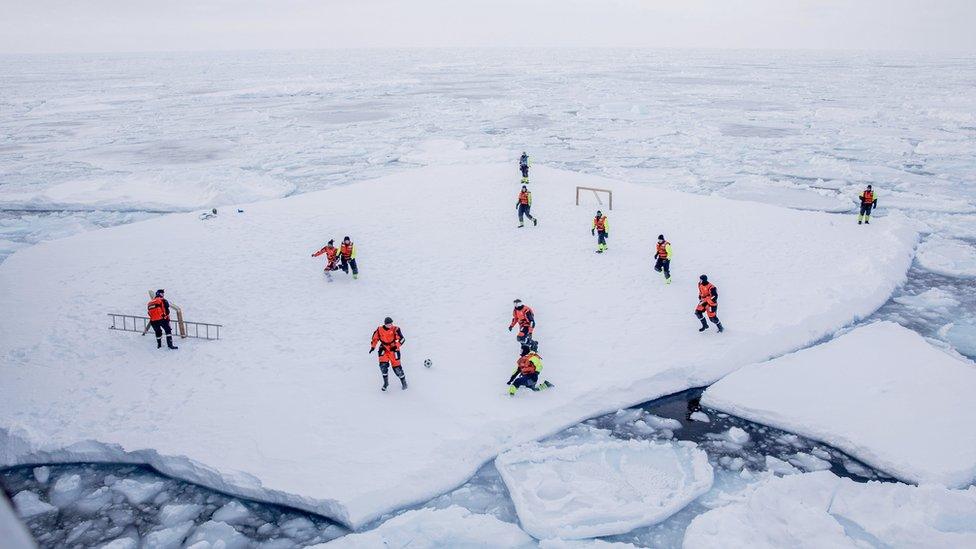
602	488
228	414
839	391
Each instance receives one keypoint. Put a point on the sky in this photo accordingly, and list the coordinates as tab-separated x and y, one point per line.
50	26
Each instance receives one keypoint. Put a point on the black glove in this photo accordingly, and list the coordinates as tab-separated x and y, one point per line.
510	328
592	231
371	350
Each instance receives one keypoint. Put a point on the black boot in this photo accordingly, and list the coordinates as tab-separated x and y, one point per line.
159	343
386	383
169	343
403	383
535	222
720	328
704	325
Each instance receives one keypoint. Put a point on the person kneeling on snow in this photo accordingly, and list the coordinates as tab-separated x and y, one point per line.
526	373
390	338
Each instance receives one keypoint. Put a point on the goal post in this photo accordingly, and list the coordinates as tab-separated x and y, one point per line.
596	193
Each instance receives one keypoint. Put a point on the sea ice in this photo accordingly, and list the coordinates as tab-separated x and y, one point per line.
962	335
436	528
217	535
816	510
948	257
601	488
121	399
699	416
837	391
42	474
29	504
173	514
232	512
790	195
138	491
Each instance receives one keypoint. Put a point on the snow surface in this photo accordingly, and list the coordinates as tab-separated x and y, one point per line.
435	528
948	257
602	488
839	391
791	195
286	407
818	510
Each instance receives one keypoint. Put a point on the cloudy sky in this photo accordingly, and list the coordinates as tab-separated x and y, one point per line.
154	25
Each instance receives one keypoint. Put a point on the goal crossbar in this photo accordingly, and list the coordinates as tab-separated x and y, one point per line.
595	193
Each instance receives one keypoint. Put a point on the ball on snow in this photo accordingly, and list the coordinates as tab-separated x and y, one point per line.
427	363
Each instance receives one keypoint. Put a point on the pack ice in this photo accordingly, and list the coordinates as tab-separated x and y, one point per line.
822	510
880	393
286	406
603	487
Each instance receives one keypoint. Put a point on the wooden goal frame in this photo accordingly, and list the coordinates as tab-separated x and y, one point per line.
596	194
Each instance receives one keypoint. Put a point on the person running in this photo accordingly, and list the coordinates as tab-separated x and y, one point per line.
869	201
524	167
524	206
525	318
347	257
332	255
526	373
390	339
663	257
601	228
158	309
708	304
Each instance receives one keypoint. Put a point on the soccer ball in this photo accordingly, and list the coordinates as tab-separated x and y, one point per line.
427	363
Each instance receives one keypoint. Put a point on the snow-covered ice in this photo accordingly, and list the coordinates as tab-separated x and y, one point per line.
948	256
440	253
602	488
839	391
787	194
435	528
817	510
699	416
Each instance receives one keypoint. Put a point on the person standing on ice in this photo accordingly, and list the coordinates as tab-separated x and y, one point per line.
869	201
524	206
524	167
708	304
663	257
525	318
158	309
390	339
347	257
601	228
332	255
526	373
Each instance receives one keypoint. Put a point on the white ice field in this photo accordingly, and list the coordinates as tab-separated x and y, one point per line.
286	406
881	393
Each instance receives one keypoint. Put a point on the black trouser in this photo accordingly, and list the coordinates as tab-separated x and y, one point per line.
346	263
160	326
528	381
385	370
525	170
663	265
712	311
601	237
866	209
523	210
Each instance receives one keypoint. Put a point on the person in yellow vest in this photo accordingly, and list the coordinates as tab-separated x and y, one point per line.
663	257
601	228
524	206
869	201
347	257
158	309
526	373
